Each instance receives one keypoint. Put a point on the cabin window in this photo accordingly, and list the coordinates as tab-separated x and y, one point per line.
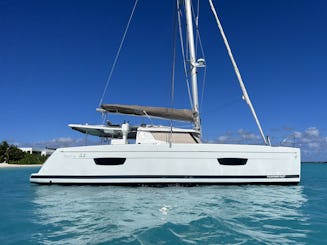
185	138
232	161
109	161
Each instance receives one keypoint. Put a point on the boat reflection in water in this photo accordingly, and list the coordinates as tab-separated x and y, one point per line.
207	214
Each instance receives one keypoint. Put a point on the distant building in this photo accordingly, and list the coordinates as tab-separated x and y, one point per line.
42	152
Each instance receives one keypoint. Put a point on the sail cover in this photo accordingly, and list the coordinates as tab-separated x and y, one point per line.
161	112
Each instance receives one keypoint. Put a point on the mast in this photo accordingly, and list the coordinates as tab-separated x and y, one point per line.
193	67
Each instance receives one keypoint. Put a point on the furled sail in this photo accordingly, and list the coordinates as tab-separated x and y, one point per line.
160	112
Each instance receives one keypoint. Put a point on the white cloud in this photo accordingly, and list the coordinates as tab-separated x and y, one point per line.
240	137
58	142
223	138
313	145
312	131
247	135
297	134
64	140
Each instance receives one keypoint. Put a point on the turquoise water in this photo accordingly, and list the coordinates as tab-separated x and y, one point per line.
249	214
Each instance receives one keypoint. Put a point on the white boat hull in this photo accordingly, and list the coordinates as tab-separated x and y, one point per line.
178	164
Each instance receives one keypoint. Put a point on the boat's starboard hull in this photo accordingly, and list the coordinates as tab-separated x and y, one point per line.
179	164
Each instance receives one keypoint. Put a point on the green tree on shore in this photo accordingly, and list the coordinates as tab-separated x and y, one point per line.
12	154
4	151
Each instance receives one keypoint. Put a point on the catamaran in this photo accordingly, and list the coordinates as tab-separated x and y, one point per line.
155	154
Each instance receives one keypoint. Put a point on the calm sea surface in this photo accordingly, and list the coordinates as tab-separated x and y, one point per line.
250	214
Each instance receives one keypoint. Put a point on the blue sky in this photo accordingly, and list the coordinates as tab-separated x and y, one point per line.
55	57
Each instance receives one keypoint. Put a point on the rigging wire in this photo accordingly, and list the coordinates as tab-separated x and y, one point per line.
117	54
196	21
203	86
179	13
238	74
199	42
172	91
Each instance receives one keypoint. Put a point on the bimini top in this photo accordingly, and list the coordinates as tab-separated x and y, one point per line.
160	112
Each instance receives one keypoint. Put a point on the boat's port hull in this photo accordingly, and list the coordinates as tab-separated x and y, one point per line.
179	164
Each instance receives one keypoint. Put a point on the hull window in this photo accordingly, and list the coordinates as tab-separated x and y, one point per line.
109	161
232	161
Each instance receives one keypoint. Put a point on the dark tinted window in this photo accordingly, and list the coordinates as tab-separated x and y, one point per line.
232	161
109	161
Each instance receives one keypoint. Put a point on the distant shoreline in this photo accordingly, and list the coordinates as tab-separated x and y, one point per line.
6	165
315	162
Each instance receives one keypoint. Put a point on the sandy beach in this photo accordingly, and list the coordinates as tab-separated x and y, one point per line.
6	165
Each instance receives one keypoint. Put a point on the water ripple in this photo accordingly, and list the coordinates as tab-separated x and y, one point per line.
171	215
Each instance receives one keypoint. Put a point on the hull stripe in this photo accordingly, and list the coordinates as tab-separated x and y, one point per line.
163	176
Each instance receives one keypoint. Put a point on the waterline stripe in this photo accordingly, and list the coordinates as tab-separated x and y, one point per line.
162	177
